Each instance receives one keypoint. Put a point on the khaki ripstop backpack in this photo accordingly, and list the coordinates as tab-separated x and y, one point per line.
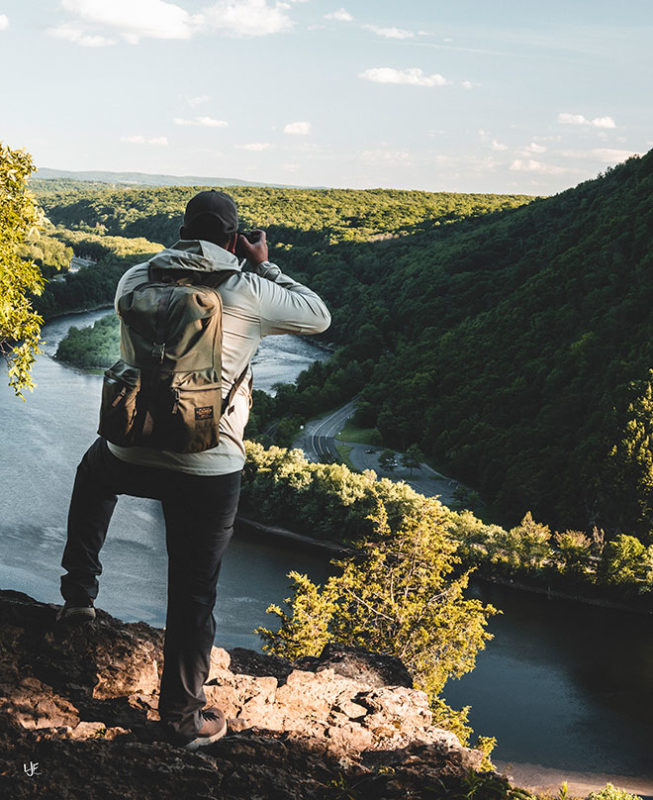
165	391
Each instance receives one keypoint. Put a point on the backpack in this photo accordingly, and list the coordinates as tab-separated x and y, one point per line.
166	390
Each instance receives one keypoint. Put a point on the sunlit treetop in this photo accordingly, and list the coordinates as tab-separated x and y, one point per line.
19	278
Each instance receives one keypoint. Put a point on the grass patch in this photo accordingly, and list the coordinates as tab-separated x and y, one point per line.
352	433
343	452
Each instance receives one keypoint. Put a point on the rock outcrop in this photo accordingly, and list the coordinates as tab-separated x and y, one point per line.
81	704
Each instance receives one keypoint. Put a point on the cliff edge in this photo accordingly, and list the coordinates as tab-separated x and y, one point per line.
78	710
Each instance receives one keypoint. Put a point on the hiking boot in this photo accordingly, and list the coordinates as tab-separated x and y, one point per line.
77	613
214	727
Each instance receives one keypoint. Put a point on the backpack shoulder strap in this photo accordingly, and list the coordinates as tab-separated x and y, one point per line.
226	403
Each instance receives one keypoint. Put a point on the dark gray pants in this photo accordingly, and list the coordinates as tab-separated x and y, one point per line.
199	515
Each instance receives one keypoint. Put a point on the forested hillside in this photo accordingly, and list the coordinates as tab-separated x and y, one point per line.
504	344
515	348
506	348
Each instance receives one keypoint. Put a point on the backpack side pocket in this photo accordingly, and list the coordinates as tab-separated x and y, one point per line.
196	417
120	389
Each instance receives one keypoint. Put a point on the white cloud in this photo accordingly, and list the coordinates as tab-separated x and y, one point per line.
604	122
255	147
391	158
530	165
243	18
158	140
132	19
4	22
579	119
390	33
534	147
499	146
77	34
572	119
341	15
202	122
298	128
197	101
413	76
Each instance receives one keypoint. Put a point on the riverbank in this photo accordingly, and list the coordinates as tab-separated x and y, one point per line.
251	528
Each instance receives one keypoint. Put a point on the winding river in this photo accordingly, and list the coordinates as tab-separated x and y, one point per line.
561	685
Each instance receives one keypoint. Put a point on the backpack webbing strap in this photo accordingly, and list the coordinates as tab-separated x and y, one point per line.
226	403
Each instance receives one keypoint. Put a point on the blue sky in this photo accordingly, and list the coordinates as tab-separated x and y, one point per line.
467	95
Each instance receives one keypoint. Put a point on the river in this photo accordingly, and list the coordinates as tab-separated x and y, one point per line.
561	685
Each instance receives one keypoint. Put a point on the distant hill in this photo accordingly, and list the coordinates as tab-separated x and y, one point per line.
142	178
310	217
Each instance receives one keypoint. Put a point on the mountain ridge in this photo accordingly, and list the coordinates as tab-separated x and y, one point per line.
148	179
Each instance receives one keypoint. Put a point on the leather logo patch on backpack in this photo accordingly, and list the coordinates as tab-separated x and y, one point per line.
205	412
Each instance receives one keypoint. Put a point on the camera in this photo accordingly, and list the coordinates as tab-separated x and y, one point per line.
251	236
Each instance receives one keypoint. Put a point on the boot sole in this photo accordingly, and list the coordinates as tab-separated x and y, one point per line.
203	741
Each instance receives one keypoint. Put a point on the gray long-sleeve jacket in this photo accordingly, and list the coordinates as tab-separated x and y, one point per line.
255	304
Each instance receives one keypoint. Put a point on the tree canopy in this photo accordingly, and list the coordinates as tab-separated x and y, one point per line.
20	325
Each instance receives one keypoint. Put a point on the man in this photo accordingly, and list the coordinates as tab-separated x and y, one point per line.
199	491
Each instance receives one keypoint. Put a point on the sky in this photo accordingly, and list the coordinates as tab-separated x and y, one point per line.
508	96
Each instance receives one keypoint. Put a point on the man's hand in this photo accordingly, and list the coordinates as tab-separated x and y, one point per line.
253	247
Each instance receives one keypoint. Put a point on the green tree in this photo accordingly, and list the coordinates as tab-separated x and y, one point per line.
633	458
397	593
477	542
20	325
387	460
526	546
573	552
625	560
610	792
413	457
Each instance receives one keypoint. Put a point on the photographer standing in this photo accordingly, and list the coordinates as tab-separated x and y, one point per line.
199	490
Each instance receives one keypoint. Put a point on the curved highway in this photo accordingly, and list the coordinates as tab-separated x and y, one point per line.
318	441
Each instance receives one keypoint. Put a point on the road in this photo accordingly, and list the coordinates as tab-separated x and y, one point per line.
318	437
318	442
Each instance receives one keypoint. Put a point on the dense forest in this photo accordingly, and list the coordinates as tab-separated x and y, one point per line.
510	339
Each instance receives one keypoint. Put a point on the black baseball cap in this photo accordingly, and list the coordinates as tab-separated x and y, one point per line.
214	204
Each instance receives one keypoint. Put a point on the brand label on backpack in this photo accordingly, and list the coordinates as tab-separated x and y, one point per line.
206	412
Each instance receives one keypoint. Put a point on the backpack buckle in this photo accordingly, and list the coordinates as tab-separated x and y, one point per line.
158	351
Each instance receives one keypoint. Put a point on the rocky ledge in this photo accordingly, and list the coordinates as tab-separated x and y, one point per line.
78	719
